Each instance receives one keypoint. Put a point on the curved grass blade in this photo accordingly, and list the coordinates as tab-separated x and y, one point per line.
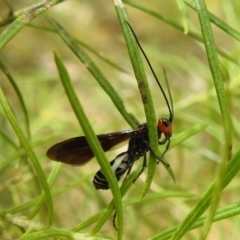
92	140
24	19
30	152
19	95
223	104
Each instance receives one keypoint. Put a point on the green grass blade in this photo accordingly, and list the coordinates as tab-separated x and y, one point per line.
19	95
92	141
25	143
143	88
22	20
223	104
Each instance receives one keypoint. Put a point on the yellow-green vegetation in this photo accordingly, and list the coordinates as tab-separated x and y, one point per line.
72	68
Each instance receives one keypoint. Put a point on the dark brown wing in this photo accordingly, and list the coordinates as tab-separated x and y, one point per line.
76	151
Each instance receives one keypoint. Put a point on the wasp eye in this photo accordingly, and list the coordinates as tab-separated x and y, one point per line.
165	122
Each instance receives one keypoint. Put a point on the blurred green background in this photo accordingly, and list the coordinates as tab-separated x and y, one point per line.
29	59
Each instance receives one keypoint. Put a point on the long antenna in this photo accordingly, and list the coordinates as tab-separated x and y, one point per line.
170	96
170	106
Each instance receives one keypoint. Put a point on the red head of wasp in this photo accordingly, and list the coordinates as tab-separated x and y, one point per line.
76	151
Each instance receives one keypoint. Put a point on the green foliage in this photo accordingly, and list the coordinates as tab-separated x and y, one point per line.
47	97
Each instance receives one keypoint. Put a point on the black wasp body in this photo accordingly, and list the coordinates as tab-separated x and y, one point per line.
138	146
77	152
